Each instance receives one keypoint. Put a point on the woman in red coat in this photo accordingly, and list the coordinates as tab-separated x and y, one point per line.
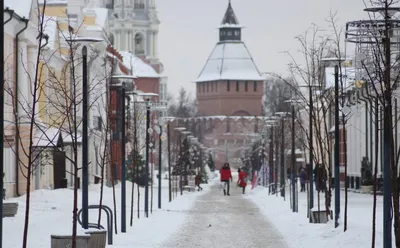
242	181
226	175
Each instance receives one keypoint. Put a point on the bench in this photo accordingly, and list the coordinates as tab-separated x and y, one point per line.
65	241
10	209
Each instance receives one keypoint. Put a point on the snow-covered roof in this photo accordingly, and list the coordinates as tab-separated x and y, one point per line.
138	66
20	7
50	28
230	61
348	77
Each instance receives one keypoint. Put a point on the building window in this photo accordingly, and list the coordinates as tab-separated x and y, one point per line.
139	4
255	86
237	85
216	86
246	84
207	87
212	86
204	88
139	44
228	85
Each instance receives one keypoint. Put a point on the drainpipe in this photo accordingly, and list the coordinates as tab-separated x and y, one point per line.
25	21
11	13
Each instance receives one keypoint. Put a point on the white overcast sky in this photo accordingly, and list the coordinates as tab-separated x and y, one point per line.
188	31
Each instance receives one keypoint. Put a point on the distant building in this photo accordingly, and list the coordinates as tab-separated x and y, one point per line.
134	31
229	91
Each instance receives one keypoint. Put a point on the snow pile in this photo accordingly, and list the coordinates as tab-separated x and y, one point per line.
299	233
51	213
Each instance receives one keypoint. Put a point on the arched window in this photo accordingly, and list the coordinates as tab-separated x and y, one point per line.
139	44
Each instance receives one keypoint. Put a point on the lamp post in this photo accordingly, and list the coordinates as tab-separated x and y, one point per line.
146	185
336	157
271	122
293	178
148	133
85	150
124	90
311	146
161	123
282	116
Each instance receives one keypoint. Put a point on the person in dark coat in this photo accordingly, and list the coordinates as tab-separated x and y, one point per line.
303	178
226	176
198	181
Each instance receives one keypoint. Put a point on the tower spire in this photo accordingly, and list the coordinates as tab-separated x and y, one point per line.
230	28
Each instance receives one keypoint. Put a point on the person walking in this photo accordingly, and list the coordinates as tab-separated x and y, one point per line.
242	181
198	181
303	178
225	176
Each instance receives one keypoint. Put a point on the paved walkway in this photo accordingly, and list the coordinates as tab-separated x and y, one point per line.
224	222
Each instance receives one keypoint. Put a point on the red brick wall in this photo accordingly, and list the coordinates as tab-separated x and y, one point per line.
215	99
148	85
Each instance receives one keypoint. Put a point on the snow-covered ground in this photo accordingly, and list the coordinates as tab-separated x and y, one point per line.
51	213
300	233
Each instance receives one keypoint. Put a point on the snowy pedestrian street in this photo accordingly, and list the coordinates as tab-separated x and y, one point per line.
222	221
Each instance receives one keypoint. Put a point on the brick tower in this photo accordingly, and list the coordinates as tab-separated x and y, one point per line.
229	91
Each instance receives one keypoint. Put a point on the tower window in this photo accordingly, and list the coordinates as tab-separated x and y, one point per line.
139	44
255	86
228	85
246	86
237	85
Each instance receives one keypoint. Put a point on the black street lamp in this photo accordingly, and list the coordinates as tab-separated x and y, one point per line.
85	136
148	133
282	116
271	124
124	90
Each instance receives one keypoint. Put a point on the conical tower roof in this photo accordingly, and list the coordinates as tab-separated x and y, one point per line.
230	17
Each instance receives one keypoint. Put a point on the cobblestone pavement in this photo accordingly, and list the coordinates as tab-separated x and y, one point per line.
225	222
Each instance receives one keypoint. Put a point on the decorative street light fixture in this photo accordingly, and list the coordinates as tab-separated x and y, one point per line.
85	107
149	131
124	90
282	116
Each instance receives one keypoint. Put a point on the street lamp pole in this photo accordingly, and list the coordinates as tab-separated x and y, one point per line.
282	159
159	164
146	186
85	155
336	150
169	163
271	159
293	181
311	156
123	164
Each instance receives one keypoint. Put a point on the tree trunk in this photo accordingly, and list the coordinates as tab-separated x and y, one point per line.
114	201
101	195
